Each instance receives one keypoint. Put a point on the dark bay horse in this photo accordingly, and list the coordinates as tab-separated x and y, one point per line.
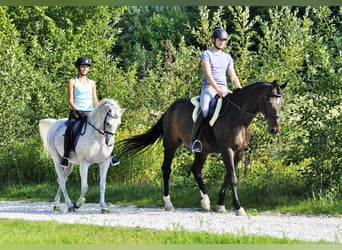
228	136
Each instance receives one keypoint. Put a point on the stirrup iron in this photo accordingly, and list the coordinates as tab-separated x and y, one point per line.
196	146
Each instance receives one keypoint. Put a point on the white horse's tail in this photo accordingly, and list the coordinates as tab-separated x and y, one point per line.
44	126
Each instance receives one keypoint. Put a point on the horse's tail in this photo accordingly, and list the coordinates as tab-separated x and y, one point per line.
44	126
137	143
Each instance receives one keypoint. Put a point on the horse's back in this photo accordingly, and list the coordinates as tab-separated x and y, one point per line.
49	128
44	127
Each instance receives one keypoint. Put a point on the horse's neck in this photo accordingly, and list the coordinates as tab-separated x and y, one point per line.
250	102
95	119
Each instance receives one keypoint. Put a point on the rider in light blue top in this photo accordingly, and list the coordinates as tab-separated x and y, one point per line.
215	65
82	99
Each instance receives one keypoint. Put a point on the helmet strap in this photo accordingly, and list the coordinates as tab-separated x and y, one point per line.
214	42
80	73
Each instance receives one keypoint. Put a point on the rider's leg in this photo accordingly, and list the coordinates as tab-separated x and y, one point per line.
65	159
67	136
195	143
207	93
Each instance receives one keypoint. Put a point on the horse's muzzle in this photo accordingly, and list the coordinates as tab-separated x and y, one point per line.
273	130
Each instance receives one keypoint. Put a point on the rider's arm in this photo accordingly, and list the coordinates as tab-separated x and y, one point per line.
71	84
233	78
95	100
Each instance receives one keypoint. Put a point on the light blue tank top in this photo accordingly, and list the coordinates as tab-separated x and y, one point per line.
83	96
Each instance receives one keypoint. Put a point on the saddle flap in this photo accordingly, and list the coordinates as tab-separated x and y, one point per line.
214	108
75	129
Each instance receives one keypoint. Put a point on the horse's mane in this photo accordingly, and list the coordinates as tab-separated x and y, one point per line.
256	84
99	106
262	83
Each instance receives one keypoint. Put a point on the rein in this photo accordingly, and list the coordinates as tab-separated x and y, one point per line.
263	110
104	131
241	109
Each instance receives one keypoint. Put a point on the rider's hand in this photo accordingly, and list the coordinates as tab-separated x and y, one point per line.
237	89
222	92
79	114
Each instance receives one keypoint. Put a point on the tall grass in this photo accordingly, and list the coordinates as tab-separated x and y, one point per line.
27	232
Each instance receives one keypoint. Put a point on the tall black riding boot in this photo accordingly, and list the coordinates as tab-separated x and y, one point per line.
65	159
195	143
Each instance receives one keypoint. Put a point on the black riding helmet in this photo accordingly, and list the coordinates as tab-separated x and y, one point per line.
220	33
83	60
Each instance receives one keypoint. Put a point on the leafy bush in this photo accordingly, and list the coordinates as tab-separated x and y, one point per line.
148	57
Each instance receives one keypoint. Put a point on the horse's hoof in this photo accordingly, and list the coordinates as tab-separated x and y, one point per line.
79	203
76	206
206	207
240	212
71	209
170	209
205	202
105	210
56	208
220	209
168	204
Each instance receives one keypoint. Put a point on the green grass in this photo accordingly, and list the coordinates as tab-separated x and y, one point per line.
145	195
28	232
148	195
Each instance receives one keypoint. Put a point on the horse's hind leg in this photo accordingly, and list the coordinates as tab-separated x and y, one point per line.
166	168
62	178
57	200
196	169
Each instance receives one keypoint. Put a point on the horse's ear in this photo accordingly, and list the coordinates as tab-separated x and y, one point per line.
122	110
274	83
284	85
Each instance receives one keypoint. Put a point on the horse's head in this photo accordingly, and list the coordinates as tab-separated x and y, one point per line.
272	105
107	116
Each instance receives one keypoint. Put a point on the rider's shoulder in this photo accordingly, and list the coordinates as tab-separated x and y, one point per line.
71	81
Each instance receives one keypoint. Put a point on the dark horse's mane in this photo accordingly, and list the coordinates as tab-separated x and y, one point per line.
256	84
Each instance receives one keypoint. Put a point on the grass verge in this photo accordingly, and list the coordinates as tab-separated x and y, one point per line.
28	232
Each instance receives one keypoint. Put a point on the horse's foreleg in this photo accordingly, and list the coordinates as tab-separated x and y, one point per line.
84	184
57	200
231	180
103	176
196	170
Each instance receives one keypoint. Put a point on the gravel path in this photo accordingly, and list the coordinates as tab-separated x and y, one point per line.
313	228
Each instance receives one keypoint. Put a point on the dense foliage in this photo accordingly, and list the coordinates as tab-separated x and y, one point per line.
147	57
